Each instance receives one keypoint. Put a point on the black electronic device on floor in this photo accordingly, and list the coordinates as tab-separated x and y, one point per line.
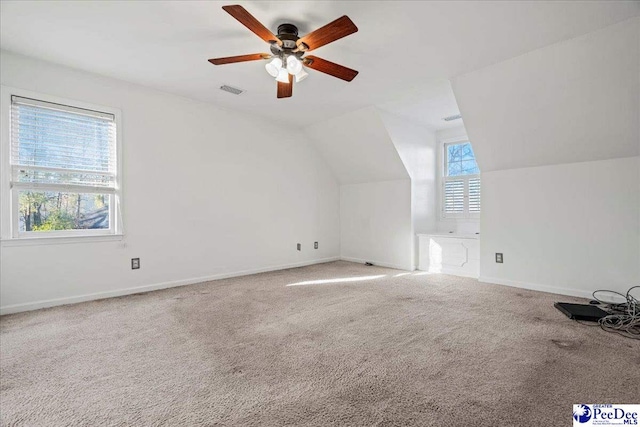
589	313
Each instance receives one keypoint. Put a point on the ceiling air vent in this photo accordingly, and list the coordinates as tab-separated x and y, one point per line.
456	117
230	89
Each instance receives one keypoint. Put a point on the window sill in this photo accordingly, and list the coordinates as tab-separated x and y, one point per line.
60	240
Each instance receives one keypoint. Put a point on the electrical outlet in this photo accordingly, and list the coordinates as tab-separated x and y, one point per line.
299	246
315	245
498	257
135	263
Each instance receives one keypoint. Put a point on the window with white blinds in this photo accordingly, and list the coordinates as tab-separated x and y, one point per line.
461	182
63	165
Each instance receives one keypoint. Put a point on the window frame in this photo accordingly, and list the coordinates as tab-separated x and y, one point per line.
443	178
9	226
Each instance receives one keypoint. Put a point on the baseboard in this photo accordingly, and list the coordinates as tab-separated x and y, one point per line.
457	272
378	263
537	287
17	308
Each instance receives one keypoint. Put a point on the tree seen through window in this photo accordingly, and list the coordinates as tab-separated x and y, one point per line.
461	160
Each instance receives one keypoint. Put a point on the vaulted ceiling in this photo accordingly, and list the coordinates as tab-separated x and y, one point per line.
403	50
358	147
574	101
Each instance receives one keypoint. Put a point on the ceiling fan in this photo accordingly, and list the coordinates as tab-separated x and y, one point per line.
287	50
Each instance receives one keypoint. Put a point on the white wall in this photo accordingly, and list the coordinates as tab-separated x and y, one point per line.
458	132
207	193
568	229
556	136
375	221
375	188
416	146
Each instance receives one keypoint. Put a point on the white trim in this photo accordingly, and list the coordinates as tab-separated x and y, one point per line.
9	90
49	169
377	263
17	308
21	100
62	188
454	272
537	287
6	222
60	239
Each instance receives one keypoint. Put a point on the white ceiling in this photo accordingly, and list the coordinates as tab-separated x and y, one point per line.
358	147
402	50
427	104
574	101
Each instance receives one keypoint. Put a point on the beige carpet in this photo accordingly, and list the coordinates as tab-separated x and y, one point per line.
399	349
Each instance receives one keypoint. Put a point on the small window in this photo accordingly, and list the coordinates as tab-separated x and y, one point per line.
461	182
63	168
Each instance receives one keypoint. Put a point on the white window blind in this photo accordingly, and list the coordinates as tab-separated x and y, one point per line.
454	196
474	195
61	148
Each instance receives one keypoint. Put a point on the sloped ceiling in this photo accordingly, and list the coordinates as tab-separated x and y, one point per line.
415	145
400	46
357	147
426	105
573	101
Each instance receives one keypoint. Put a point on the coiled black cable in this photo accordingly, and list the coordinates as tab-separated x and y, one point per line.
624	318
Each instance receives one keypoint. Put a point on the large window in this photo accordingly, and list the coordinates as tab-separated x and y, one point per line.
63	172
461	182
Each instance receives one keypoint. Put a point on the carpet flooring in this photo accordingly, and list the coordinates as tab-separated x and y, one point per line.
330	344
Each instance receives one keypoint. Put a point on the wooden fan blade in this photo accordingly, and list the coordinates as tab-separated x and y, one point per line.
331	68
331	32
246	19
285	90
239	58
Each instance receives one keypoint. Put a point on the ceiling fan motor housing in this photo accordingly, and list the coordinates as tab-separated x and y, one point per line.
288	33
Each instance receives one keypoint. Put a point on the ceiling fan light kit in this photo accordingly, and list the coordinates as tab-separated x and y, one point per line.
294	66
274	67
301	76
287	50
283	76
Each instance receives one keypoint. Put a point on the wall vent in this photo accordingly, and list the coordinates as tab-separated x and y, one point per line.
456	117
232	90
